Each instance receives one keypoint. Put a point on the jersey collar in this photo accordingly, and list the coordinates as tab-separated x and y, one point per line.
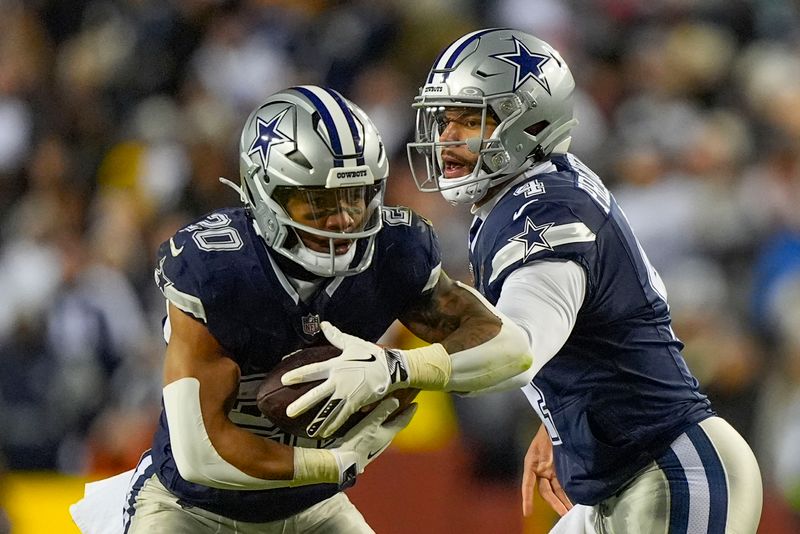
483	211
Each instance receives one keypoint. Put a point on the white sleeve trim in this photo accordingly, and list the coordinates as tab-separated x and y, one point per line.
544	298
185	302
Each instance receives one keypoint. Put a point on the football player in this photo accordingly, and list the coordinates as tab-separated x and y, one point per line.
625	430
313	246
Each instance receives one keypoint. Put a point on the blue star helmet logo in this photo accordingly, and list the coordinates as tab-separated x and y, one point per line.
533	238
527	64
267	135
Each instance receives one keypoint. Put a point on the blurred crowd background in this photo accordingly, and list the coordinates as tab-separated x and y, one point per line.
118	116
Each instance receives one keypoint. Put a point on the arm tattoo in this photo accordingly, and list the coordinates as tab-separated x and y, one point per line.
452	316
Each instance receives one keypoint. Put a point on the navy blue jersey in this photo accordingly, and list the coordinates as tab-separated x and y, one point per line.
619	391
220	271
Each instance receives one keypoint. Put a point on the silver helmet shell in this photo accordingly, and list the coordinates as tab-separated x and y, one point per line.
311	139
516	79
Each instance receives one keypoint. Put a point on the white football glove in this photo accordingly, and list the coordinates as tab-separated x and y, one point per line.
362	444
362	374
370	437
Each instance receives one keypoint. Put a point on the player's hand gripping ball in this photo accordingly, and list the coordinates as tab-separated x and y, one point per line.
273	397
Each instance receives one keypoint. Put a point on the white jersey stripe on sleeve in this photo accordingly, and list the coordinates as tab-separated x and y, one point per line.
516	251
185	302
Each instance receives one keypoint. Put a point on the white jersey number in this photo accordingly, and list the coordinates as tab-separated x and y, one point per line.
214	233
536	398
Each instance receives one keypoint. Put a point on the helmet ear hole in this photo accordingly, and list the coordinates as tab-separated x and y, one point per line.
297	157
536	128
498	161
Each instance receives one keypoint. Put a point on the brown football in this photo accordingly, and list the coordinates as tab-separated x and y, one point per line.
273	397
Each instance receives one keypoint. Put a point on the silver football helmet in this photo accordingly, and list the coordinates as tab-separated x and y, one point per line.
313	168
518	81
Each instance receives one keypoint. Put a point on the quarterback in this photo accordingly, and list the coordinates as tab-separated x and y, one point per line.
626	432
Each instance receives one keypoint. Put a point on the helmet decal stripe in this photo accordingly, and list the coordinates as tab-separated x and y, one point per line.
351	121
334	121
447	59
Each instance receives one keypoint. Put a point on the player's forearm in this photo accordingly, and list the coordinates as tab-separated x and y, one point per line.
483	351
218	454
474	330
256	456
452	316
270	461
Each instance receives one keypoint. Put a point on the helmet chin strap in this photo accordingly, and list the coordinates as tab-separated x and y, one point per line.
464	194
476	189
320	262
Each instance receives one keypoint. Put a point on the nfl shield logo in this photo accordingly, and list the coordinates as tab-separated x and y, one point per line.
311	324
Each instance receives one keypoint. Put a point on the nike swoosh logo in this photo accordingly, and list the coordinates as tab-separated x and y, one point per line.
373	454
521	209
172	248
370	359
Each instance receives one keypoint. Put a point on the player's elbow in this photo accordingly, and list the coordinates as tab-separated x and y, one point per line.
514	343
188	438
524	363
513	349
189	469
